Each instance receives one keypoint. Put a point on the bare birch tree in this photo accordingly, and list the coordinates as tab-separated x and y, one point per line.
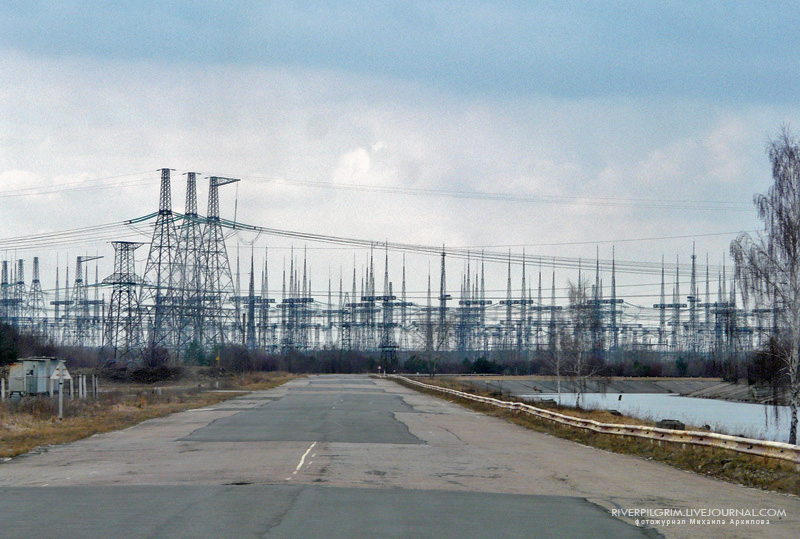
577	342
555	359
770	261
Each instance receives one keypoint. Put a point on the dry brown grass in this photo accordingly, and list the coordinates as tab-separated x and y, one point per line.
752	471
33	421
257	381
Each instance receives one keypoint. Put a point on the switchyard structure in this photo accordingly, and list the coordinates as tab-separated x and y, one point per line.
123	330
186	297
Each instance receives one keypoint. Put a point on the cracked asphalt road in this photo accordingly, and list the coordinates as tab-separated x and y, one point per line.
352	456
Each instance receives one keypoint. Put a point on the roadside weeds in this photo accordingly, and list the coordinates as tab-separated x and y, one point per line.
32	422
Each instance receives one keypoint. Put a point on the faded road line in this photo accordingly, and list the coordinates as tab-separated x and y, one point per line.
302	460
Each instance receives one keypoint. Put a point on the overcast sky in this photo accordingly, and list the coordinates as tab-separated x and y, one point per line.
589	114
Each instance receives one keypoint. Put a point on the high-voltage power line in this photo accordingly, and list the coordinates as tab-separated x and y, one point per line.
187	298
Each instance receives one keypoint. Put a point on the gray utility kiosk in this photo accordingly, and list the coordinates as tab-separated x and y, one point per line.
32	375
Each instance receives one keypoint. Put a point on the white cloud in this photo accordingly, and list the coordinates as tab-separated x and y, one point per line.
84	119
354	167
18	179
730	145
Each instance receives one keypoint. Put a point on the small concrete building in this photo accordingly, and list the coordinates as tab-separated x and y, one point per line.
31	376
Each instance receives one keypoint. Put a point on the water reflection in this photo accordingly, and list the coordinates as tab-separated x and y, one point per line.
764	422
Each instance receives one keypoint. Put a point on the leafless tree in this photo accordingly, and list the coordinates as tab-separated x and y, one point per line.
555	358
769	263
580	343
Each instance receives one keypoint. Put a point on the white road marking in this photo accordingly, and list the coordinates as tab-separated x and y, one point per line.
302	460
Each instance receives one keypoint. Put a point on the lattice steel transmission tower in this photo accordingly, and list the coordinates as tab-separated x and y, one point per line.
614	328
267	330
219	290
190	291
428	334
123	333
80	327
662	315
252	300
61	317
464	312
524	335
346	322
36	303
388	344
404	304
443	297
158	298
676	309
19	300
5	295
508	328
552	329
693	301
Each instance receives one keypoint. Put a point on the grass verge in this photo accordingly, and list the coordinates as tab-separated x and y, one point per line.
33	422
748	470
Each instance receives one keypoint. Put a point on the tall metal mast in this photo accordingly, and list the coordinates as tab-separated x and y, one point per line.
443	297
250	334
123	333
219	291
191	271
161	274
36	303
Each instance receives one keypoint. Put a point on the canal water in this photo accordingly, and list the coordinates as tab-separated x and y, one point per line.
763	422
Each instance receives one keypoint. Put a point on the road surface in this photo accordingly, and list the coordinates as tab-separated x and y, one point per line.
353	456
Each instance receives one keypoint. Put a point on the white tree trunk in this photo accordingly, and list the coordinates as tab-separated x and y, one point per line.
794	387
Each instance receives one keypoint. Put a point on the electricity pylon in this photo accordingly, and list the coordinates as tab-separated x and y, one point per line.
219	290
123	333
160	274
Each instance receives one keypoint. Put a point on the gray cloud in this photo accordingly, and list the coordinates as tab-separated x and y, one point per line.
710	50
654	103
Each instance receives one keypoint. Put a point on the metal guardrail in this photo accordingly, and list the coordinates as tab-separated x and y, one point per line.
762	448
